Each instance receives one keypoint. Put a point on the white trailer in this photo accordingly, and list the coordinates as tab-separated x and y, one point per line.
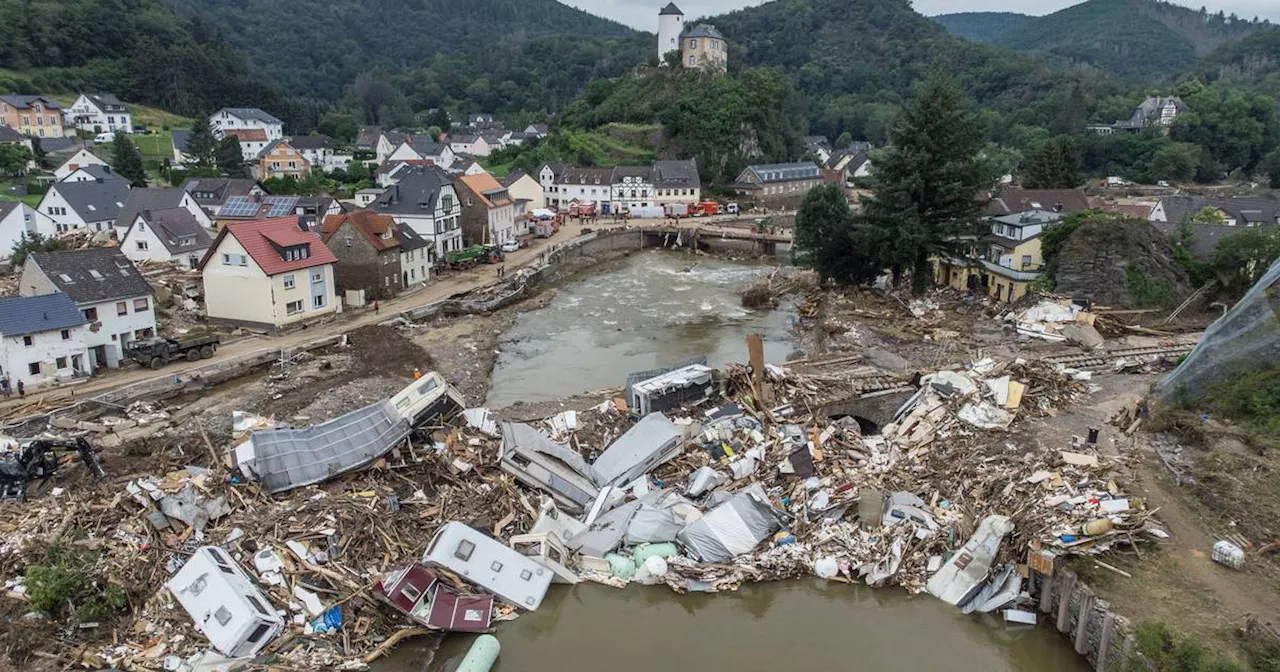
224	603
486	562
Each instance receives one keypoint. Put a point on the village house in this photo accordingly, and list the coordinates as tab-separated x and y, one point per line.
35	116
108	291
252	141
373	144
365	197
537	130
464	166
80	159
85	205
415	256
318	151
703	47
246	118
368	253
8	136
563	184
819	146
850	165
1005	262
255	207
311	210
157	199
676	182
1155	111
268	274
92	174
630	187
1013	201
524	187
778	182
211	193
42	341
99	113
17	219
423	148
1210	219
280	159
471	144
488	213
179	138
389	171
172	236
426	201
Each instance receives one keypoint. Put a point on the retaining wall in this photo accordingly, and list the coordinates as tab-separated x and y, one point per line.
1096	632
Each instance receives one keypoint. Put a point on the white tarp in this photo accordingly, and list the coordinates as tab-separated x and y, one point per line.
732	528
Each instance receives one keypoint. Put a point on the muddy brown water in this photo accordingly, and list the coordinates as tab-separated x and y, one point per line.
646	311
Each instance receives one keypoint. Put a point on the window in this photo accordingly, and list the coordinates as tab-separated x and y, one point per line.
258	632
526	575
28	341
293	307
693	44
34	368
222	615
122	308
140	305
317	276
66	334
61	363
411	592
496	566
289	282
317	301
464	550
91	314
1026	260
348	240
142	246
258	606
96	275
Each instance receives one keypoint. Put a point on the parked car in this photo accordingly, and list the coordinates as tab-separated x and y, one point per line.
142	130
103	138
511	246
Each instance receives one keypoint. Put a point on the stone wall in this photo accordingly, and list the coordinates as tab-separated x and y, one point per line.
1099	635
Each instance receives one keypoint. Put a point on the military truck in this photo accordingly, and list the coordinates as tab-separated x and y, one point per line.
156	352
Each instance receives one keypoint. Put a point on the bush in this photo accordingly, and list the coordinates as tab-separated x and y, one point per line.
63	583
1168	651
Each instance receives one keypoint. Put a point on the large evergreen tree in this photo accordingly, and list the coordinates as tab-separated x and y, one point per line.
1055	166
927	184
824	233
201	144
127	161
229	158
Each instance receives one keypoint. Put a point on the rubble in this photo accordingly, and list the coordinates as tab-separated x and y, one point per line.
753	483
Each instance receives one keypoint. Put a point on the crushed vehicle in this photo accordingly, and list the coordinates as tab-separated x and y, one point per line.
36	461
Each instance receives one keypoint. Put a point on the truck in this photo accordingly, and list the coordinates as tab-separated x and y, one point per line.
676	210
582	209
706	209
158	351
471	256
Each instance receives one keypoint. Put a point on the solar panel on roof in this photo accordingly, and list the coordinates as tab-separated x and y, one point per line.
280	205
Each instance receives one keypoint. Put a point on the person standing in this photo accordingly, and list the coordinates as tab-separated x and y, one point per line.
22	389
376	306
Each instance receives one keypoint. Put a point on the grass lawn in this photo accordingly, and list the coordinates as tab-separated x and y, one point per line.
159	144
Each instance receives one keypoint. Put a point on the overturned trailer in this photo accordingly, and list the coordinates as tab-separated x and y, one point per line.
420	594
283	459
689	382
538	461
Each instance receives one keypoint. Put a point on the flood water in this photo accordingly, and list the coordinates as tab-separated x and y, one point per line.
790	626
643	312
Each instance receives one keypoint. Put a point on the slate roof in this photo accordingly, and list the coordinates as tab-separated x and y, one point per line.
22	102
7	207
180	139
676	174
786	172
367	138
409	239
98	172
645	173
424	145
415	193
671	9
60	145
372	225
107	102
814	141
250	113
22	315
310	141
463	138
172	226
705	30
93	275
221	187
265	240
9	135
271	146
1245	210
92	200
148	199
1011	201
512	177
575	175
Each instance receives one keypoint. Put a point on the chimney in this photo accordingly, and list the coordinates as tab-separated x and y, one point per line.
146	214
98	180
106	169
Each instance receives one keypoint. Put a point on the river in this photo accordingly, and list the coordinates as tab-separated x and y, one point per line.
639	313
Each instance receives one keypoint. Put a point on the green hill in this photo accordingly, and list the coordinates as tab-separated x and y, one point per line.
982	27
1140	40
1253	61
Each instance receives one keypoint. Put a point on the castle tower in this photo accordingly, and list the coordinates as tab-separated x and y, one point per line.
670	25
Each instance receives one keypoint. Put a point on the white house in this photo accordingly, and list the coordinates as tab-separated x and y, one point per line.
488	211
473	144
564	184
268	274
108	290
415	256
157	200
423	148
426	201
316	149
42	340
366	197
181	155
246	118
83	157
172	236
99	113
18	219
372	142
252	141
8	136
85	205
676	182
537	130
632	187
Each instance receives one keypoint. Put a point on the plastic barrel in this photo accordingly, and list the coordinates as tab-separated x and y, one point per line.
482	656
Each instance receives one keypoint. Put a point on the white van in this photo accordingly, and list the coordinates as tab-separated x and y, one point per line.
103	138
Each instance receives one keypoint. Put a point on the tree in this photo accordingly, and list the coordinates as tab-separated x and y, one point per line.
1176	161
127	161
229	158
844	140
201	144
14	159
926	183
1055	166
33	242
1272	167
1239	260
823	237
439	117
339	126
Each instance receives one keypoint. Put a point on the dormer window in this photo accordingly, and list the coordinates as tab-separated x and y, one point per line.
297	252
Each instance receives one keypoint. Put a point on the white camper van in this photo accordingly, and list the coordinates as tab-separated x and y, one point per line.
484	561
226	606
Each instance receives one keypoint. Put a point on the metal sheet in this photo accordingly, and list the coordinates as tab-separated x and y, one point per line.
652	441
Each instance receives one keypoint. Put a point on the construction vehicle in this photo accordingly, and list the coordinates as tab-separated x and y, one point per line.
158	351
37	460
471	256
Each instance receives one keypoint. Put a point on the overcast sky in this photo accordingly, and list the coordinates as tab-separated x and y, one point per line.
643	14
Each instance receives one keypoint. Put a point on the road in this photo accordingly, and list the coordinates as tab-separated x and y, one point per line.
350	320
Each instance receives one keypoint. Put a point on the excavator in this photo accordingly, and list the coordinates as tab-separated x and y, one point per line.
37	460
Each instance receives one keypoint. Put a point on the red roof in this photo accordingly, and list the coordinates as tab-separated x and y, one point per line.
254	134
264	239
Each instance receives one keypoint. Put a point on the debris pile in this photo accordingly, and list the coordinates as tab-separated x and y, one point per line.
741	477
